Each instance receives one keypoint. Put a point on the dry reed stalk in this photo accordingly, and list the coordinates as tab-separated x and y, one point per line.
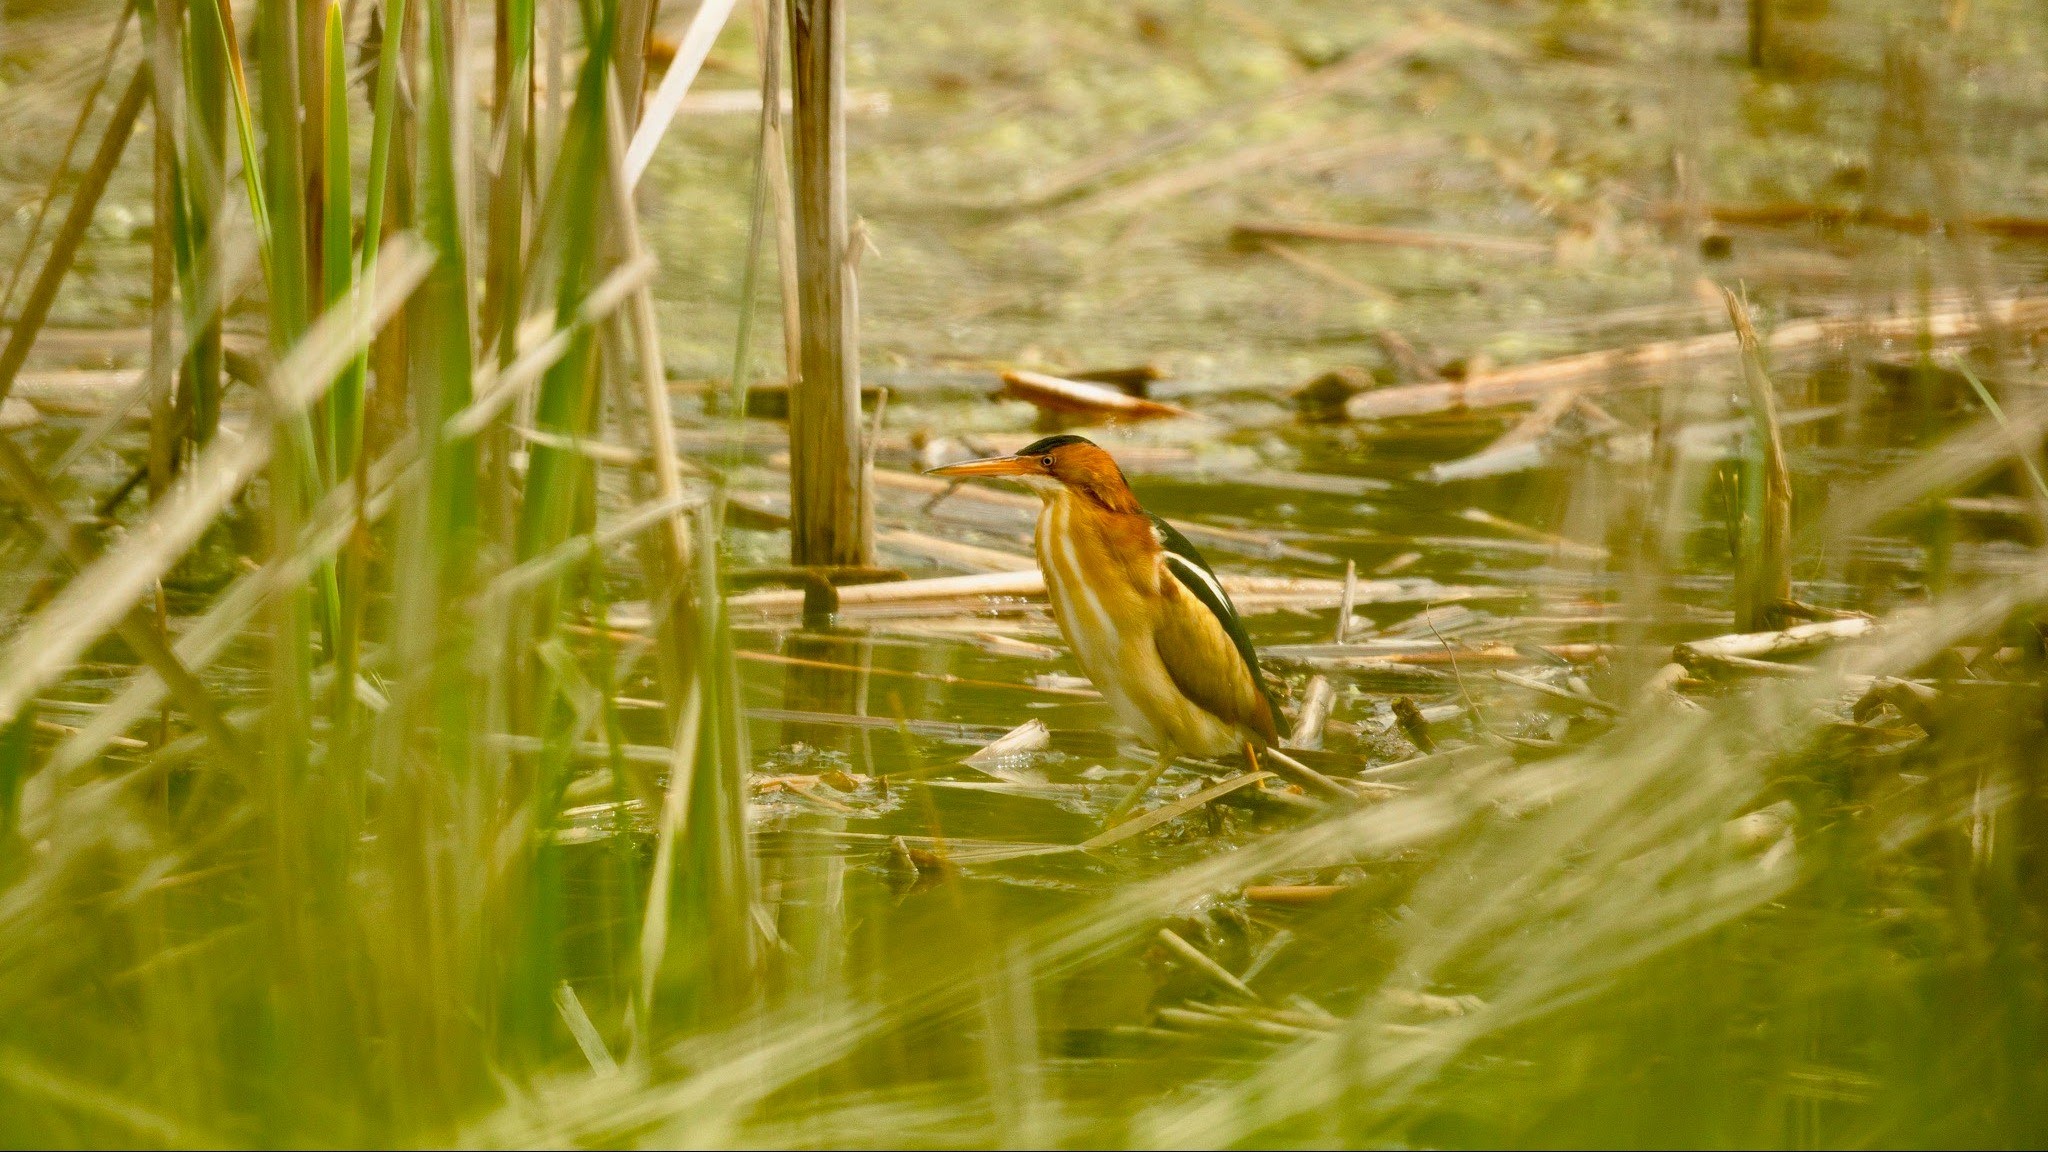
644	328
1292	895
1571	700
1310	780
1794	641
1146	821
830	492
1832	216
1238	540
163	271
1558	545
1026	738
1636	367
774	151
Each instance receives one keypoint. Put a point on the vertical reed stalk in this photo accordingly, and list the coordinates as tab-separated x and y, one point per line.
768	32
1763	576
163	260
509	150
828	501
206	110
344	406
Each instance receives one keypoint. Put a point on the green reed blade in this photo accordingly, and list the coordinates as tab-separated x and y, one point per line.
205	179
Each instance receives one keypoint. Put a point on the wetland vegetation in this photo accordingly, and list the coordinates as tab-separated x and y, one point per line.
1619	424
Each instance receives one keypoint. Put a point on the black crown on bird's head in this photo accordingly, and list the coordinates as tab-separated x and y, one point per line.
1052	442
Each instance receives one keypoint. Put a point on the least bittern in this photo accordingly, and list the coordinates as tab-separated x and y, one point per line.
1144	613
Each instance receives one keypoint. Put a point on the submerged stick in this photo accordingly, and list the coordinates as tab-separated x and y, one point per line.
1560	546
1387	237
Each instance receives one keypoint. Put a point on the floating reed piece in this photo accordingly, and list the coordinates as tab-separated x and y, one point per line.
1081	398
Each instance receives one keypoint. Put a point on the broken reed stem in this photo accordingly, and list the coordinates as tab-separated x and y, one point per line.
827	502
1763	563
1201	962
1317	698
775	150
1348	602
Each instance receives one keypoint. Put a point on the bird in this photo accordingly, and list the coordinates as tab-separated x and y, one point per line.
1144	614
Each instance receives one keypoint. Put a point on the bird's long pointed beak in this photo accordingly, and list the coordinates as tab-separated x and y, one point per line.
990	466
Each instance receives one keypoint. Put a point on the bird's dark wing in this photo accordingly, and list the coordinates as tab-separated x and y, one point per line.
1207	677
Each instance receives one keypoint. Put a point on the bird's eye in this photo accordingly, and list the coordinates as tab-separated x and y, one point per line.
1046	461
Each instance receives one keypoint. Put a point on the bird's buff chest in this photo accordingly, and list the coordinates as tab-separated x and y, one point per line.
1102	578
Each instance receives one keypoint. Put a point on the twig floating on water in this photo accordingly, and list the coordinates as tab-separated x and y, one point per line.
1100	401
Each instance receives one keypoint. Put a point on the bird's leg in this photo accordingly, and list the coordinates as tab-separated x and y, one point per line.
1137	793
